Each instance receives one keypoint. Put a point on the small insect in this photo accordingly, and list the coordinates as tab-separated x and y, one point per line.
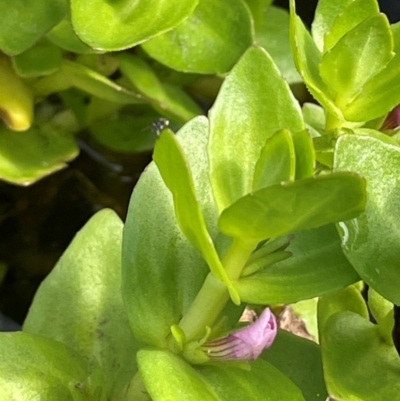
158	125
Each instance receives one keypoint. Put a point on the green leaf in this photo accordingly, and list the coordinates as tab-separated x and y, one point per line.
175	171
64	36
106	25
210	41
371	241
326	13
288	207
124	133
97	84
168	377
161	270
382	311
307	58
308	273
253	103
379	95
357	57
257	8
355	13
170	99
262	382
26	157
35	367
358	365
314	117
345	299
305	154
25	21
41	59
80	303
16	100
277	161
272	33
300	360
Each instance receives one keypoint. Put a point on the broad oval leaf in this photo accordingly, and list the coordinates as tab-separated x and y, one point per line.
210	41
317	266
81	298
253	103
41	59
33	367
358	365
26	157
371	241
300	360
262	382
117	25
168	377
25	21
288	207
357	57
326	14
355	13
166	279
64	36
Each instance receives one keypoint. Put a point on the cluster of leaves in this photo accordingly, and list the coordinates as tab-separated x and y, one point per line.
177	53
238	208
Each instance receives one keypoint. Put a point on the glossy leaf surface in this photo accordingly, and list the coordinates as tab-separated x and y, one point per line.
300	360
26	157
253	103
318	263
210	41
288	207
371	241
168	99
35	367
81	298
25	21
118	25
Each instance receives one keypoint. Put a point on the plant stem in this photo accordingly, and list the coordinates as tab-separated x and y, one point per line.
332	122
213	295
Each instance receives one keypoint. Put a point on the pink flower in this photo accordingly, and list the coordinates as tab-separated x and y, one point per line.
246	343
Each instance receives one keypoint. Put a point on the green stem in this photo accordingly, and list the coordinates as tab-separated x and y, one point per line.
332	122
213	295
